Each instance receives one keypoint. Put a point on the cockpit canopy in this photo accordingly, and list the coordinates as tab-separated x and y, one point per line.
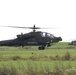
44	34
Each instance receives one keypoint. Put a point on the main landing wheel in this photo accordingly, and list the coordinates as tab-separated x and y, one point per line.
41	47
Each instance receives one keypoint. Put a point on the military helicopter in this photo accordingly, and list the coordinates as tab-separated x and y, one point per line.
33	38
72	43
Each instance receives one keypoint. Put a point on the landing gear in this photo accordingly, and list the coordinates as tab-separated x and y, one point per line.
48	44
42	47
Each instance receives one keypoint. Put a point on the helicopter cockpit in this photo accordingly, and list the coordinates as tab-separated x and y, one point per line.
44	34
50	35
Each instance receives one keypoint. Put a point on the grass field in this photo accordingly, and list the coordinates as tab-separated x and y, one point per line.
31	61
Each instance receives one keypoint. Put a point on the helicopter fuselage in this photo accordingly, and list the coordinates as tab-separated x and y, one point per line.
39	38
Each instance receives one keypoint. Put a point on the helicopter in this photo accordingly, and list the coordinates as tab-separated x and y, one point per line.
33	38
72	43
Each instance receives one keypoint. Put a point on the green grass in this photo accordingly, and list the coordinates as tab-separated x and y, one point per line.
47	52
37	68
58	49
31	57
50	64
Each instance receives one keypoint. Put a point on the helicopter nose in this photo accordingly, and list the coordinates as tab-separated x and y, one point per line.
59	38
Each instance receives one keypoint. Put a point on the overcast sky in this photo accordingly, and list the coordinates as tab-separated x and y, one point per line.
58	14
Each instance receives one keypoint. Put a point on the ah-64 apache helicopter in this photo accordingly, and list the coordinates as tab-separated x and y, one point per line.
34	38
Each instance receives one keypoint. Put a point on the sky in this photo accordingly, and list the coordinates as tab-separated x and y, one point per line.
57	14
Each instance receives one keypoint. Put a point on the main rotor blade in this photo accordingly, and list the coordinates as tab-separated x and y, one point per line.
22	27
34	27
